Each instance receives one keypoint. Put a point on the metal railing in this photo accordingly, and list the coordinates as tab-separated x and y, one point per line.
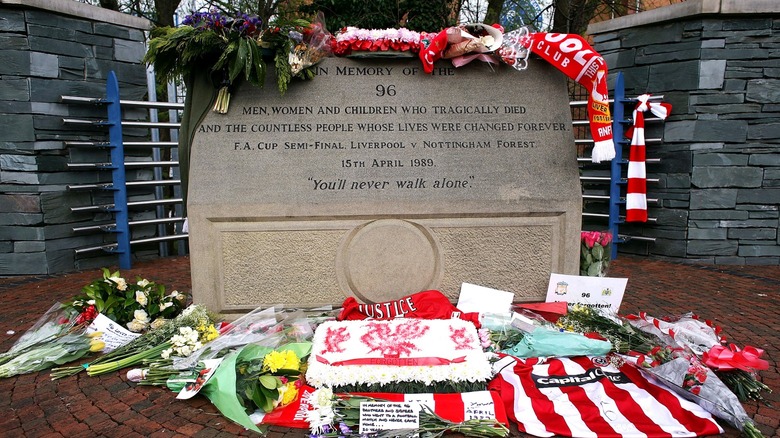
168	209
615	200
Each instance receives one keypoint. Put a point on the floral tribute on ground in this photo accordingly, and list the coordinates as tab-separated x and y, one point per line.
582	373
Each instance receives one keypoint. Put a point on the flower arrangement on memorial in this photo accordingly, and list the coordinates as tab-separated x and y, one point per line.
332	415
139	305
236	47
352	39
595	253
174	335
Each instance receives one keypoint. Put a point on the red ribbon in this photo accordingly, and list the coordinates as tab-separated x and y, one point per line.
395	361
746	359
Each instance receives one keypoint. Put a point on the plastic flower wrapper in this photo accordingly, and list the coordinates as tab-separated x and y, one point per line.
268	327
544	342
686	331
686	375
595	253
309	47
222	388
57	321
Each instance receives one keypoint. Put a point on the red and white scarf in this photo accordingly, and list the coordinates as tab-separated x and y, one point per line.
636	191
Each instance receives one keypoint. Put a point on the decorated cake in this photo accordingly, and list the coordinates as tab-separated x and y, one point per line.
372	355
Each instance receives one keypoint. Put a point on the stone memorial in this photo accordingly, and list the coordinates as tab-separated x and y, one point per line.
375	180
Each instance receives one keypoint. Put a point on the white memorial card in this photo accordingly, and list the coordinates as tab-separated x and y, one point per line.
481	299
378	416
603	293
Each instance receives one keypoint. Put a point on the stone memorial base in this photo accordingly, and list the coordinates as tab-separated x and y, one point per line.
376	181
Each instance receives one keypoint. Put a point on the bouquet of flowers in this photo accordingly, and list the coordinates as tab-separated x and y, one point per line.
147	347
231	47
138	306
56	338
595	253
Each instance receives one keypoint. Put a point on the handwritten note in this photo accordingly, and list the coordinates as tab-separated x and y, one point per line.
378	416
114	335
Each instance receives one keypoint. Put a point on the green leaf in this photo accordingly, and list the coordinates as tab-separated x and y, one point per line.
598	252
594	270
270	382
238	62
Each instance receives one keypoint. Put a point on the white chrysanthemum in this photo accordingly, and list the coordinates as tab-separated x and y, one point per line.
143	283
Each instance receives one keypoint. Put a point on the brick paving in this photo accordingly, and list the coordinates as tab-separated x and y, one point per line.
743	299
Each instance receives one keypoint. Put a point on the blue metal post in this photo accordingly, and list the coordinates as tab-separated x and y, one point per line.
616	171
122	229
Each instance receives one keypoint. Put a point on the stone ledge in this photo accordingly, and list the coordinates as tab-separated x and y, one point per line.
689	8
82	10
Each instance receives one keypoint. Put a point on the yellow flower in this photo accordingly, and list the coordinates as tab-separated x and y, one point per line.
208	334
273	361
96	345
289	393
291	361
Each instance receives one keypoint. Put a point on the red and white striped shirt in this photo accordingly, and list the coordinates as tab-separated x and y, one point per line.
589	397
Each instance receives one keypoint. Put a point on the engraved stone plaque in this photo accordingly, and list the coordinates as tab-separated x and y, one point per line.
375	180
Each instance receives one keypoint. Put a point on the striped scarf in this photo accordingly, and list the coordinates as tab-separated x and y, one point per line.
636	192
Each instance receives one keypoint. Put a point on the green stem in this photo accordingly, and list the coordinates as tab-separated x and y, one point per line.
102	368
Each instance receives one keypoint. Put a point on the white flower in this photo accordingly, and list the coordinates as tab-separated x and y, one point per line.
166	305
120	282
141	316
143	283
141	297
157	323
136	326
322	398
91	302
184	350
166	353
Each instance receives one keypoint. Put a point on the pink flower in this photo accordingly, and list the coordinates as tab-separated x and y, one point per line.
606	238
588	238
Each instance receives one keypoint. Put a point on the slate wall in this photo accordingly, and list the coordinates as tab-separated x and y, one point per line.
718	64
48	49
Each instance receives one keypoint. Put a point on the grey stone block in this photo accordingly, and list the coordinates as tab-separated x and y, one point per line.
61	261
729	260
11	20
671	218
60	47
25	163
111	30
23	264
670	248
15	62
16	127
733	53
717	43
772	72
762	261
759	250
731	131
704	224
44	65
20	218
656	58
19	203
56	32
714	176
717	98
674	76
18	178
93	40
720	159
753	233
750	24
29	246
45	18
712	247
735	111
731	215
772	173
678	180
14	90
13	42
707	146
128	51
56	206
744	73
45	90
734	85
750	223
763	90
766	159
760	131
759	196
713	198
645	36
707	233
6	246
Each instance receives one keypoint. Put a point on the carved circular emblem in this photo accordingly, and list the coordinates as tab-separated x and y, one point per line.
387	259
